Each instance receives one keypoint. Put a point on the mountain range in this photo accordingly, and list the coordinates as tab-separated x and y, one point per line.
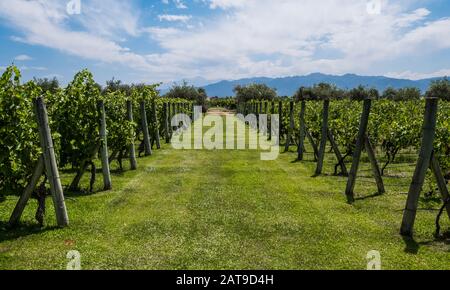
287	86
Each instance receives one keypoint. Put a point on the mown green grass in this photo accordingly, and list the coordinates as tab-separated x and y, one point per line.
227	210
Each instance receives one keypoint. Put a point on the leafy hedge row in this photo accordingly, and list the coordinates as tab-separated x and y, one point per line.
19	135
439	89
393	126
74	120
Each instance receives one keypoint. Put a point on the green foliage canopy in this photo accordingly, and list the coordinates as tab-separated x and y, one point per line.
254	92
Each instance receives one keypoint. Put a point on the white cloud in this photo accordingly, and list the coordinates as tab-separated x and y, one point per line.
23	57
226	4
162	33
36	68
180	5
250	38
287	37
406	20
110	18
173	18
40	27
419	76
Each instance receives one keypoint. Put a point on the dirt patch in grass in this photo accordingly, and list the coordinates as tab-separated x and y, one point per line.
220	112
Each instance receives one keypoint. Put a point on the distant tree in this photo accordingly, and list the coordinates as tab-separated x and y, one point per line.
323	91
114	85
402	94
202	96
254	92
187	92
439	89
48	85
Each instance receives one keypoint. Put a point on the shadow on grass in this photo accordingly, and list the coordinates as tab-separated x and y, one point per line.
8	233
413	247
80	193
377	194
340	174
98	171
444	237
392	176
436	199
68	171
303	161
118	171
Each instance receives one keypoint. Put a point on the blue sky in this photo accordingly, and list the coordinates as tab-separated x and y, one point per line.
209	40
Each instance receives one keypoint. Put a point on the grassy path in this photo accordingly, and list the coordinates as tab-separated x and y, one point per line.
224	210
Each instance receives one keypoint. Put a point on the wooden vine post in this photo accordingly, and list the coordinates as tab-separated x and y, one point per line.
169	119
166	123
426	159
155	122
313	143
26	195
266	128
174	111
174	114
257	106
337	152
147	144
291	126
280	113
301	143
363	142
93	152
323	143
107	185
374	164
132	149
349	192
51	167
272	112
442	184
48	163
